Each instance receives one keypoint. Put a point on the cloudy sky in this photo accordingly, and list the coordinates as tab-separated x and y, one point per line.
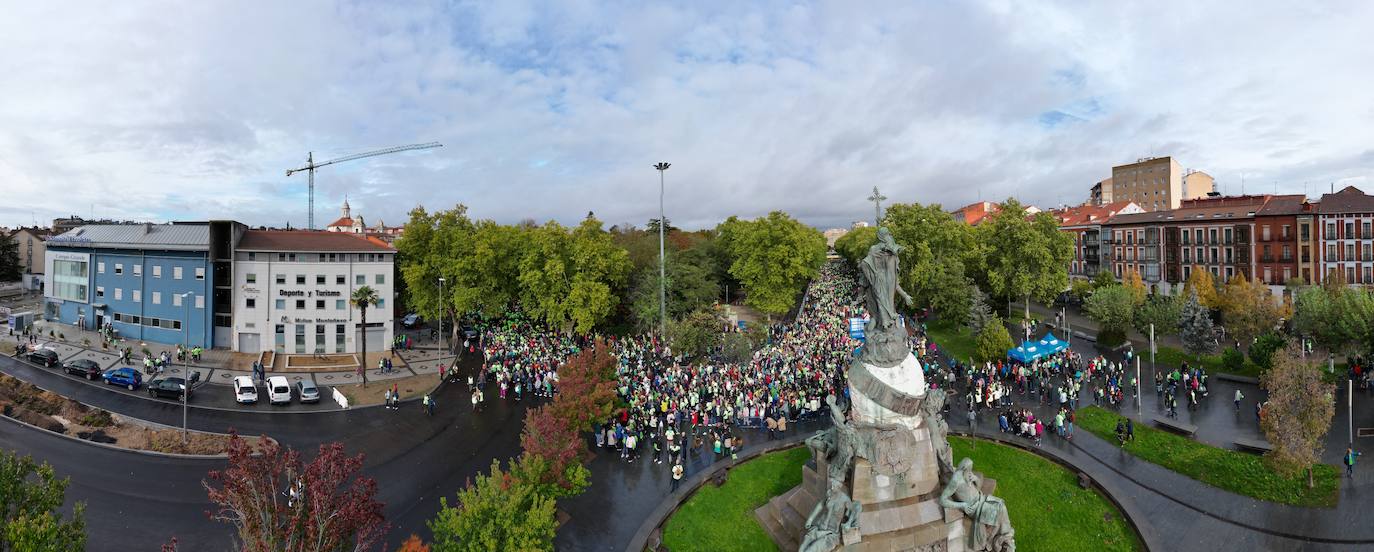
193	110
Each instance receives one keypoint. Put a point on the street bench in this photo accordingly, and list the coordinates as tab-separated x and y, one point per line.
1254	445
1177	426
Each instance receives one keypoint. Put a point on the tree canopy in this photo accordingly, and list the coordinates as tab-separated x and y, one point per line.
772	257
1025	256
31	498
498	512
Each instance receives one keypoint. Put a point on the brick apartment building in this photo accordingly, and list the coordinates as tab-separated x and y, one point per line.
1085	223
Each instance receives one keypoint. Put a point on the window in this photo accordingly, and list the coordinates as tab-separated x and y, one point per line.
1268	276
157	297
119	269
250	303
281	279
1187	270
339	279
1264	233
252	256
281	304
157	271
339	338
1330	230
361	279
252	278
176	299
138	296
319	304
1364	230
1330	251
319	338
200	301
200	273
1226	234
300	279
1304	232
381	303
138	270
300	338
100	292
291	257
381	279
1212	235
176	273
1349	251
339	304
1215	259
99	268
70	280
1287	274
1287	252
319	279
300	304
281	257
1349	230
1185	237
1368	253
1285	232
1367	274
1350	274
1186	258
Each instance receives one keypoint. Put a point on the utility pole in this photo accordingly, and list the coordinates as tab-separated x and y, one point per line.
662	272
877	199
1153	369
443	313
1137	384
186	368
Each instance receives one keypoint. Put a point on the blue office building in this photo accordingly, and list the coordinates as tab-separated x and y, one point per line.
148	282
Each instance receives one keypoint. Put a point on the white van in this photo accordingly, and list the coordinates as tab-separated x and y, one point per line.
278	390
244	390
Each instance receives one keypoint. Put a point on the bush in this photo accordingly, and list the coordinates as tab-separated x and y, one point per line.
993	342
97	418
1232	361
1262	352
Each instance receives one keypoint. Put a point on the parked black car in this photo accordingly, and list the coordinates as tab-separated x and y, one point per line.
83	367
170	388
46	357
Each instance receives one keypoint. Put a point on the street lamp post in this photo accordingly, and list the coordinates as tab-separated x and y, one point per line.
662	272
442	313
186	368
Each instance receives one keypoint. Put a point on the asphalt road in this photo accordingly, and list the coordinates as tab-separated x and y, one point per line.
138	502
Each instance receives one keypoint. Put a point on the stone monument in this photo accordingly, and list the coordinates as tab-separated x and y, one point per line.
883	476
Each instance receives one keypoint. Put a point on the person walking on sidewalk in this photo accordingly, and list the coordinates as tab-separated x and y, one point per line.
1350	456
1239	396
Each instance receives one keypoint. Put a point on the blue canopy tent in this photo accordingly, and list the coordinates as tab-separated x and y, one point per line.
1051	344
1026	353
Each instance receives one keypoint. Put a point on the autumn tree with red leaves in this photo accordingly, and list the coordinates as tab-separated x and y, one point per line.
586	388
553	455
278	503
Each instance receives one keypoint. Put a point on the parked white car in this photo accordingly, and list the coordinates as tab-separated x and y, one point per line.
244	390
278	390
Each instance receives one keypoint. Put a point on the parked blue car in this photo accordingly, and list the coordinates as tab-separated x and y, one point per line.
127	377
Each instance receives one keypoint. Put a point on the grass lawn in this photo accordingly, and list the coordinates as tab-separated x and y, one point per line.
957	341
1048	509
722	518
1173	357
1239	472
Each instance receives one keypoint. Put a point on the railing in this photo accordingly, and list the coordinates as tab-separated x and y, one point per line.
1266	258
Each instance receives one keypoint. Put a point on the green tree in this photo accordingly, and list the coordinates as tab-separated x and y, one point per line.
692	285
1262	352
1102	279
31	497
1163	311
951	294
1136	286
937	252
498	512
1113	308
979	314
773	257
1316	315
853	246
571	280
362	298
9	259
697	334
1298	413
1025	257
1081	288
1195	327
993	342
1200	281
1248	309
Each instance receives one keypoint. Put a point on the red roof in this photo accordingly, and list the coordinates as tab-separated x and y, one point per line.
343	221
1088	214
311	241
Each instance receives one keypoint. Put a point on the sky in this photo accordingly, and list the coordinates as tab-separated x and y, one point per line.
546	111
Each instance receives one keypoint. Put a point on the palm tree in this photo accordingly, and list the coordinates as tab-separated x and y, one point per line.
363	298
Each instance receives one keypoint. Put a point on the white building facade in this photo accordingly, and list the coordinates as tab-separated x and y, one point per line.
292	289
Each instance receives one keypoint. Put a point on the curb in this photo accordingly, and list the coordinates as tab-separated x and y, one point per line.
670	504
122	449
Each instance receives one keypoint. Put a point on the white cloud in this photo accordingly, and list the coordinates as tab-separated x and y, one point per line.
195	110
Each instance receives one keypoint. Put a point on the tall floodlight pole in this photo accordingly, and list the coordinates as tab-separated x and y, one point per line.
186	369
877	199
443	312
662	272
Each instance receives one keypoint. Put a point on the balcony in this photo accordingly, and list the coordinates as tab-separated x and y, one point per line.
1266	258
1090	241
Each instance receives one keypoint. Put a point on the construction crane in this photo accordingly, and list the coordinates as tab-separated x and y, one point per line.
311	165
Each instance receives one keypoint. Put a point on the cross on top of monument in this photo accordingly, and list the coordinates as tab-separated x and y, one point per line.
877	199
